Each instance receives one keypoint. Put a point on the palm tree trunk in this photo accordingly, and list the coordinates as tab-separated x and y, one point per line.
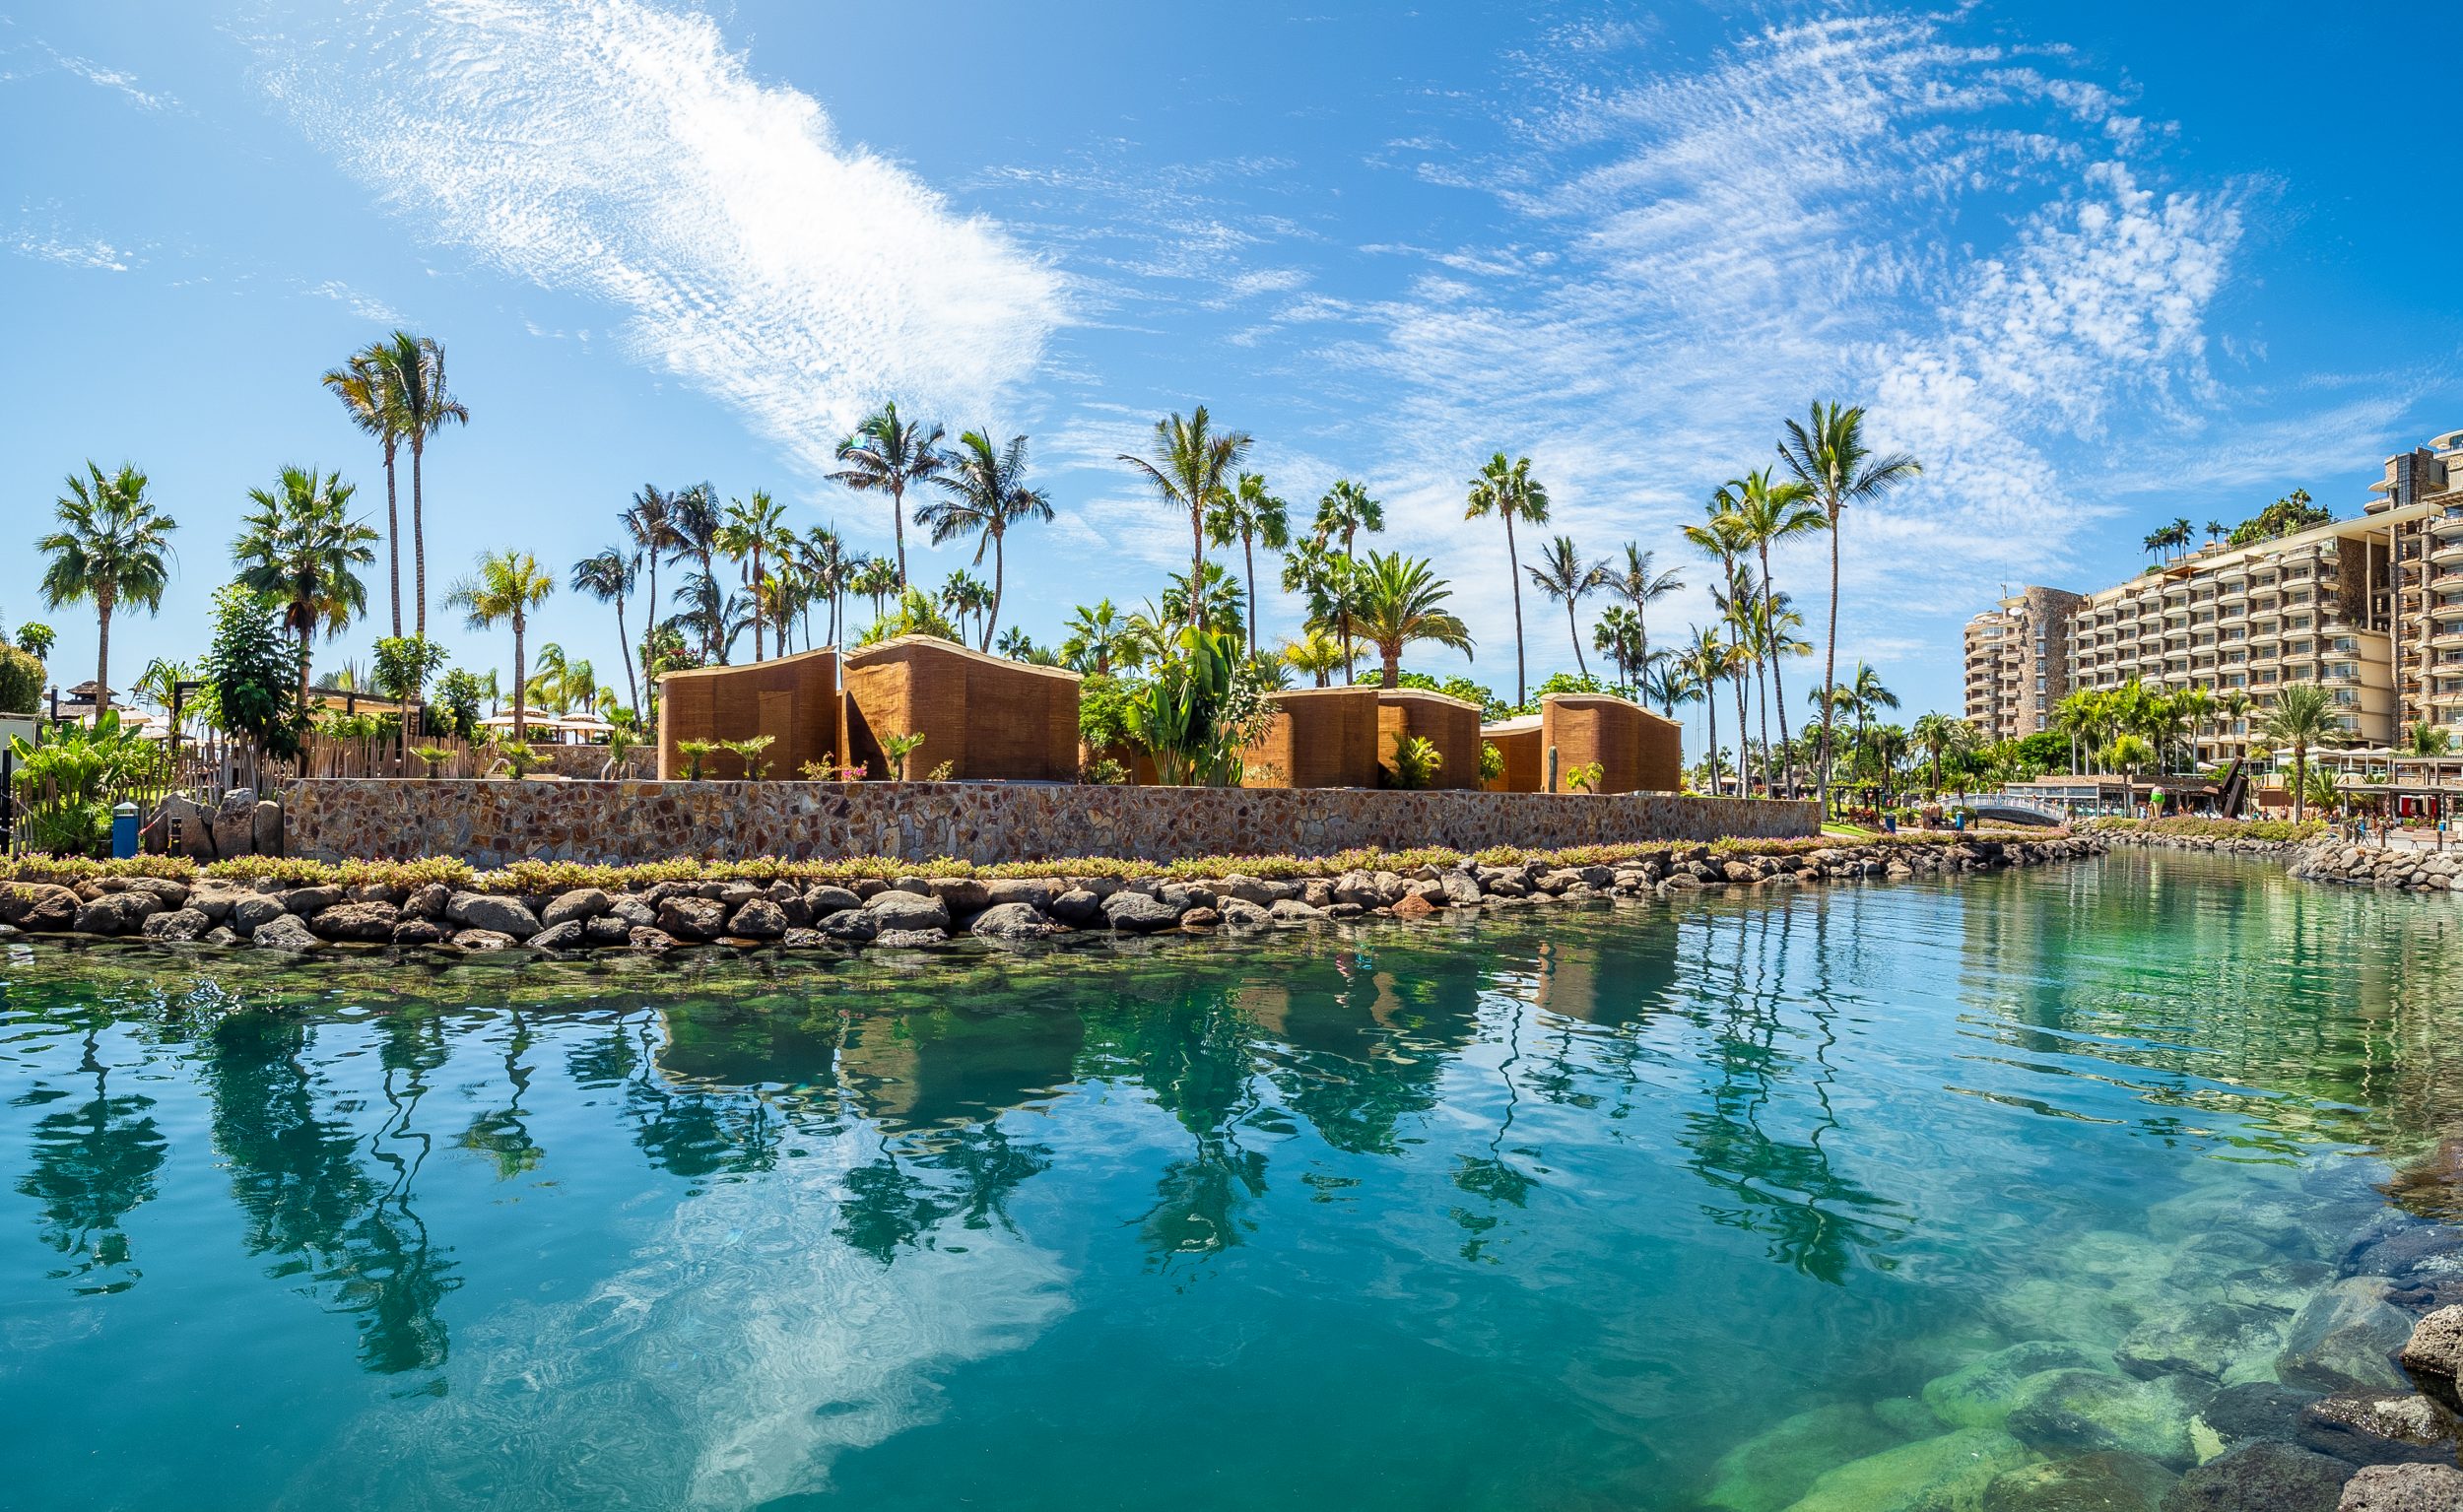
1744	784
1710	716
1248	549
393	543
1573	628
1513	580
759	613
1778	686
992	620
633	689
2300	782
102	651
1830	666
1197	561
419	535
1392	656
898	527
305	633
1762	711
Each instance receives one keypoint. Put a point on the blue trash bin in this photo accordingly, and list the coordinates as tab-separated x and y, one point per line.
123	832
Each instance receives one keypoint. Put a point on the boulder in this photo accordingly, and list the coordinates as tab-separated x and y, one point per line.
1247	889
2261	1477
2378	1427
428	903
2433	1355
1412	906
1769	1470
178	926
2345	1339
235	823
214	901
1979	1395
413	930
1239	914
1078	907
2199	1338
2403	1488
265	827
1013	922
256	910
1034	892
1135	913
564	935
36	907
898	909
2081	1411
605	930
651	941
910	939
284	931
961	896
1462	890
692	918
2255	1409
482	941
306	902
490	912
579	906
2108	1481
823	899
854	925
1200	917
758	919
636	912
117	913
2436	1248
1948	1471
196	826
372	922
1290	911
803	940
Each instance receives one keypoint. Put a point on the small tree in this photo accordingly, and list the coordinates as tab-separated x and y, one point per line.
458	696
253	675
404	663
899	747
20	681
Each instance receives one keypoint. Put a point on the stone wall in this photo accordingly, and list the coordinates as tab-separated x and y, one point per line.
489	823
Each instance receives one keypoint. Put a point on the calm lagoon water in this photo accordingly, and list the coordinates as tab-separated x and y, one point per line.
1550	1210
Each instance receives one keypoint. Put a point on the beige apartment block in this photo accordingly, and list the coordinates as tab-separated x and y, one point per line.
2370	608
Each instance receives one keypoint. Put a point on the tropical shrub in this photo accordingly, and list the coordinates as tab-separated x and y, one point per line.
1586	777
20	681
695	752
898	748
1201	712
916	615
432	756
67	777
749	750
251	674
1415	761
1103	771
1492	762
521	759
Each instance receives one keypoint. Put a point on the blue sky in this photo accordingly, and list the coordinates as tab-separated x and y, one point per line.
2097	265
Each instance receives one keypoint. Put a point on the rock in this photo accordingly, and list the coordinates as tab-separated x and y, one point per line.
196	826
635	912
2255	1409
1290	912
284	931
1014	921
1248	890
651	941
117	913
854	925
2091	1483
178	926
213	901
1200	918
418	931
1032	893
256	910
482	941
910	939
427	902
487	911
174	894
2433	1355
2345	1339
1462	890
1316	892
2199	1340
2403	1488
2435	1247
823	899
758	919
901	911
580	905
2378	1427
1134	913
38	906
803	940
2080	1410
605	930
265	827
2261	1477
960	894
1344	910
568	934
1078	907
1239	914
692	918
1980	1395
1772	1469
1944	1473
235	823
308	901
1412	906
372	922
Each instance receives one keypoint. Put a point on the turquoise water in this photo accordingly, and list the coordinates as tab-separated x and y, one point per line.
1550	1210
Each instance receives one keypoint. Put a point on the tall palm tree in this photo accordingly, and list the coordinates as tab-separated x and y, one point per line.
876	581
1326	582
1095	640
694	519
1826	453
1775	512
984	492
422	405
649	525
1225	603
1740	612
1670	681
1708	661
112	547
1193	467
301	548
1344	512
1507	491
1562	574
827	564
506	587
1867	697
888	455
1255	517
1401	600
608	575
1640	583
1617	635
2302	717
367	397
1937	735
749	531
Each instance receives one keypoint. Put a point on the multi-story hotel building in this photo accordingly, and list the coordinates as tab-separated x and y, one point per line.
2370	608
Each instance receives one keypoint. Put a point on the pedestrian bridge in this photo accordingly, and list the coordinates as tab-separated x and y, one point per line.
2012	809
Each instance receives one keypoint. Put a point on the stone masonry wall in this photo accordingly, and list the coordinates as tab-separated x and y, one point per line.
491	823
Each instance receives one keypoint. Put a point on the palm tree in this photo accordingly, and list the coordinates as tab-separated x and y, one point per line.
1189	470
369	399
1739	610
1327	582
1562	574
1509	491
1225	605
301	548
1706	660
888	455
1095	638
505	589
1617	635
1344	512
651	527
1254	516
2217	530
1669	681
748	532
693	520
1938	735
986	493
2303	716
1866	696
1317	654
964	596
414	378
1771	512
1828	457
1639	583
114	548
827	564
2127	755
608	575
876	581
1400	602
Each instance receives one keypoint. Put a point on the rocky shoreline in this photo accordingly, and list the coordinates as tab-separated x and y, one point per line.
925	911
2407	868
2219	844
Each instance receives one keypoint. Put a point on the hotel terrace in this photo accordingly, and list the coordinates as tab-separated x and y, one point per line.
2372	607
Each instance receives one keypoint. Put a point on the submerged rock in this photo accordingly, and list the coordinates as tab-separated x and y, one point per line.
2205	1340
2346	1338
2108	1481
2255	1409
1980	1395
1933	1475
2079	1410
2378	1427
1773	1469
2261	1477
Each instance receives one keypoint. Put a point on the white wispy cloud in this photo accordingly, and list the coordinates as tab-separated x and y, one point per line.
619	150
37	57
45	231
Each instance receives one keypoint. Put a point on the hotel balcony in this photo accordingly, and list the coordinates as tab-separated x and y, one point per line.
2445	612
2447	553
2443	526
2447	638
